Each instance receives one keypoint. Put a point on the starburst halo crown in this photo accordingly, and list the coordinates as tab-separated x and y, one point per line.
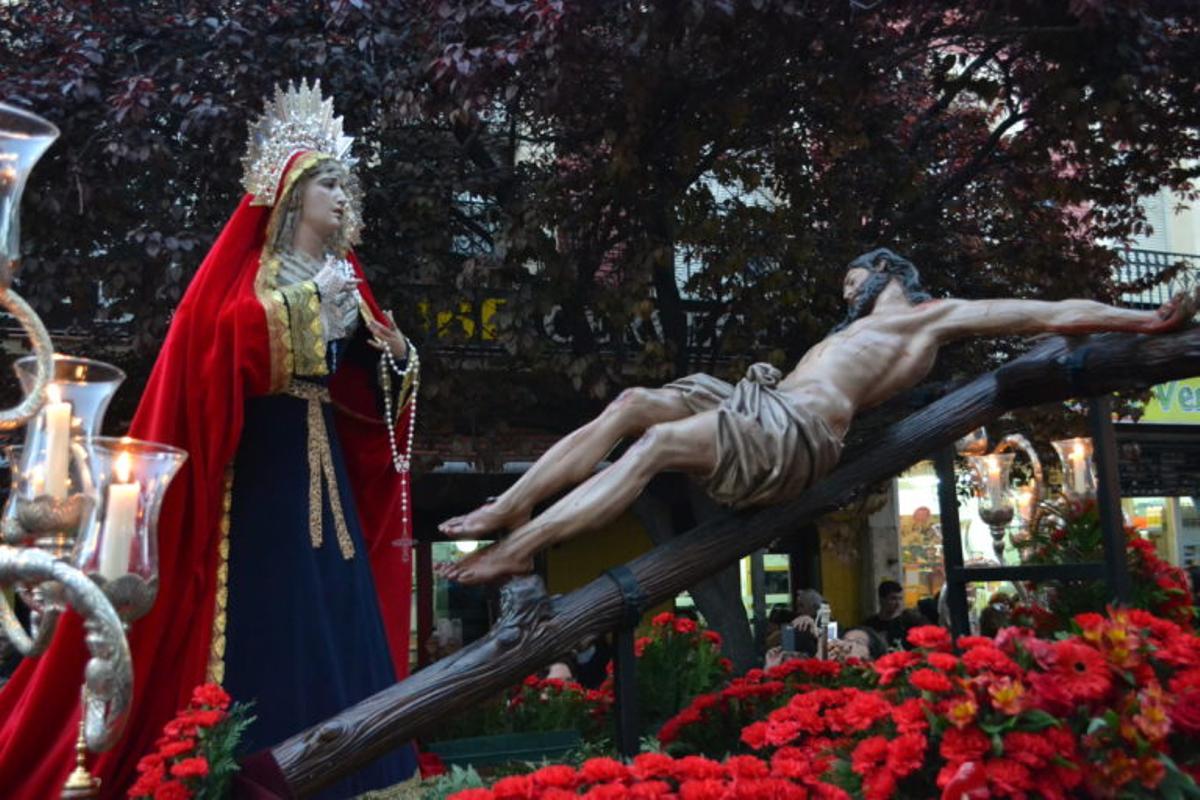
295	119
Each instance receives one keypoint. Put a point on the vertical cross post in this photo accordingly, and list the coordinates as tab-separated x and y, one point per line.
625	690
952	549
1108	497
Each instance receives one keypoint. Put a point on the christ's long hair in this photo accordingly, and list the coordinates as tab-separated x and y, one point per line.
884	266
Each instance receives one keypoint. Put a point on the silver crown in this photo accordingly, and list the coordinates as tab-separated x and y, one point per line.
295	119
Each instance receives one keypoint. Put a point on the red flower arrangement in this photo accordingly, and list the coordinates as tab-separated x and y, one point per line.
1070	532
1113	710
194	757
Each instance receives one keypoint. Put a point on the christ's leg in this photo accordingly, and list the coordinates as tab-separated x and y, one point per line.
570	460
688	444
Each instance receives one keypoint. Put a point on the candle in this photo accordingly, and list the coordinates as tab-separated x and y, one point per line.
993	481
58	442
1078	459
120	522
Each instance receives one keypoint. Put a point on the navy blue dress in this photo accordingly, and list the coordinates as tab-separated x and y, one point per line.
304	638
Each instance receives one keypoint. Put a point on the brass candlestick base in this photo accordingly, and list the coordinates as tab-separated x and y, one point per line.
80	783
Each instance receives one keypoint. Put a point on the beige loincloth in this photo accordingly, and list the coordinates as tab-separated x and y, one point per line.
769	449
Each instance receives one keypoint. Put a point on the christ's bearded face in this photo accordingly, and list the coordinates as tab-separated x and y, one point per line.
852	285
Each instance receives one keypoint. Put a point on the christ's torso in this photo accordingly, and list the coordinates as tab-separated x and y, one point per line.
874	359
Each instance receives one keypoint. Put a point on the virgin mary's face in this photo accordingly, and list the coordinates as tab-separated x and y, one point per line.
324	205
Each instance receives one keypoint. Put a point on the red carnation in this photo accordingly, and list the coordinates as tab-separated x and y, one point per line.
879	785
555	775
709	789
989	658
649	790
149	781
928	680
207	719
964	744
196	767
647	765
890	665
967	642
514	787
147	763
742	767
754	735
210	695
713	638
172	790
943	661
662	620
1011	778
603	770
604	791
868	755
172	749
685	625
909	716
1185	711
906	754
698	768
929	637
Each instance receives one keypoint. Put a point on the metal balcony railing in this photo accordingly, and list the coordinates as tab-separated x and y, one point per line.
1155	276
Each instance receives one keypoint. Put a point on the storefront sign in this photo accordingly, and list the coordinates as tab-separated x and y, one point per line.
1175	402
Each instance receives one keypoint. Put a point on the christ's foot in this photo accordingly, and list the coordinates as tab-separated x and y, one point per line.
481	522
488	565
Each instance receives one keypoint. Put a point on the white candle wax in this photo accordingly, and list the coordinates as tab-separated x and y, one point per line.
994	489
1078	469
58	447
120	523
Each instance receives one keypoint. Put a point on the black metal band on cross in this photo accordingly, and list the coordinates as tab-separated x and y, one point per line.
633	599
1076	364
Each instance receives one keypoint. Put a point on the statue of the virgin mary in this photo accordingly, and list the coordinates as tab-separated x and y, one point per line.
284	545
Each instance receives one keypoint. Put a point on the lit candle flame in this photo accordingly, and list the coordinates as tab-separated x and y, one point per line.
53	393
1077	453
123	467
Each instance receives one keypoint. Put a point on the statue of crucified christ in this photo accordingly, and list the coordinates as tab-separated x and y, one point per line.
766	440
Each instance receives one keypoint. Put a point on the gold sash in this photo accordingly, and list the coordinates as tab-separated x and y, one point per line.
320	464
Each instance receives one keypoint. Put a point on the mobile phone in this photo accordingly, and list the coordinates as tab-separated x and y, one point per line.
788	639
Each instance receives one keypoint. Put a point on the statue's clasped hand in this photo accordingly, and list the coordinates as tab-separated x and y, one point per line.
337	286
388	337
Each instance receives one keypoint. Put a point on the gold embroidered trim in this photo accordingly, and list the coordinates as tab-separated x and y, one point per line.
216	652
304	323
320	466
278	338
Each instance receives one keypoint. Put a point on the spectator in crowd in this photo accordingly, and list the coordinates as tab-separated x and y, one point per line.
928	608
591	663
808	603
893	620
996	615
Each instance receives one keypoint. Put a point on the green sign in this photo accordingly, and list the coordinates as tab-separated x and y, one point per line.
1175	402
